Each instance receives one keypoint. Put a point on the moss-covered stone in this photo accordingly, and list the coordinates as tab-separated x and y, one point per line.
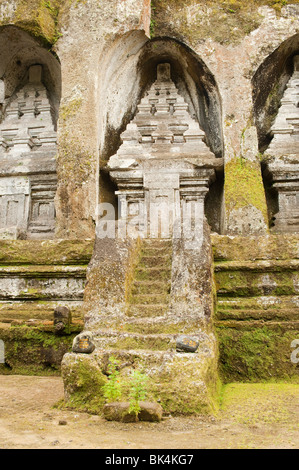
123	340
38	309
184	388
266	247
265	308
183	384
255	352
243	187
35	350
224	21
45	252
74	159
70	109
257	306
241	283
256	404
37	17
83	383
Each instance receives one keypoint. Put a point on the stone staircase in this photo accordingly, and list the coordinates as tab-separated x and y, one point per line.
144	323
138	315
150	292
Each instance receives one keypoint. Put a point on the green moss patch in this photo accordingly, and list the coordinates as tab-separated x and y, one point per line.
254	352
83	383
75	163
243	186
242	283
35	350
253	404
49	252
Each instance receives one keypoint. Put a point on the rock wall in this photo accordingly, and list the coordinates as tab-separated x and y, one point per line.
231	60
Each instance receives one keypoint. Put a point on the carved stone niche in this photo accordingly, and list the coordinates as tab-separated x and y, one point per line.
163	167
282	157
27	162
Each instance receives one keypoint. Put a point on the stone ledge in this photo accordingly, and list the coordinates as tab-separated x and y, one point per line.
270	247
43	271
46	252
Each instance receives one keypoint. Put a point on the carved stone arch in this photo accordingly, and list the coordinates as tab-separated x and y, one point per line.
18	52
276	112
134	73
194	81
31	90
268	85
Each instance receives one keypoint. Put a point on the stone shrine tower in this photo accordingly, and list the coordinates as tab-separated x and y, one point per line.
27	162
163	168
283	157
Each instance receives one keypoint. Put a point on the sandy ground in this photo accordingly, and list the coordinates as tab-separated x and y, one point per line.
266	418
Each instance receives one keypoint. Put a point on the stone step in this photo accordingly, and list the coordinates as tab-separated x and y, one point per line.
150	287
152	274
43	271
155	261
152	360
115	339
156	251
263	315
254	283
261	303
149	325
156	298
147	310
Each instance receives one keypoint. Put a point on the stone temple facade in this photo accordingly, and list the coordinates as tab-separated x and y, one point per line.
149	190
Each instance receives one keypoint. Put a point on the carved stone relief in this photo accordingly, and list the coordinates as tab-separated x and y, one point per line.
27	162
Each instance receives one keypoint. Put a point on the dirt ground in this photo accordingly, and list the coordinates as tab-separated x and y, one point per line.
252	416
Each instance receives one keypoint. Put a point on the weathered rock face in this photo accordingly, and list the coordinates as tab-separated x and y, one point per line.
228	73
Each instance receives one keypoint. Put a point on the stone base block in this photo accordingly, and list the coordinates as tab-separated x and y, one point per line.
183	383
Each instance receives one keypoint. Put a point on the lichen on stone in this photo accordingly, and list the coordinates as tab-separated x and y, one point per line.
223	21
243	187
37	17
